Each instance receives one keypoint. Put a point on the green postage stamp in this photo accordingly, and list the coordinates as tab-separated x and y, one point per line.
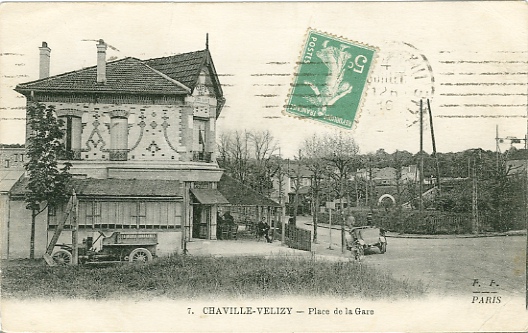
331	79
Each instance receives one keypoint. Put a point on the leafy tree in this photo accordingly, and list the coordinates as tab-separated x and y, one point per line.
505	191
47	184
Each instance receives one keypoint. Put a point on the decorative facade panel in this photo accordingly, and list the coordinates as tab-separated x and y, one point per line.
102	132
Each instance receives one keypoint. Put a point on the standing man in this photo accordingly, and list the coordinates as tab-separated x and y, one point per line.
350	221
369	219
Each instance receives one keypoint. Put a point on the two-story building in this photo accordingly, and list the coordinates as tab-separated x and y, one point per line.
293	179
142	134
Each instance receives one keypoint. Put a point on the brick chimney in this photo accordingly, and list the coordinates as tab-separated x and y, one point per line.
44	69
101	61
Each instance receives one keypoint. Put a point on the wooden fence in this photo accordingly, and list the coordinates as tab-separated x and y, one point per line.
299	239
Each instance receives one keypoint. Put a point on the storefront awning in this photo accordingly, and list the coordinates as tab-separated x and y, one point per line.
209	196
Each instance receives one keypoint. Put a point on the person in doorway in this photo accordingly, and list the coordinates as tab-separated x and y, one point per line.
219	224
263	230
228	218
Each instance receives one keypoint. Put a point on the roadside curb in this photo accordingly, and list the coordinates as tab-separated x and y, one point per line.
416	236
494	234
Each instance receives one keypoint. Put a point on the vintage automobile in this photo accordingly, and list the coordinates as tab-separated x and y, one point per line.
363	238
118	247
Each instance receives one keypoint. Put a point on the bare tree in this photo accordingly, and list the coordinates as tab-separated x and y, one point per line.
295	174
341	154
234	154
314	151
247	156
262	146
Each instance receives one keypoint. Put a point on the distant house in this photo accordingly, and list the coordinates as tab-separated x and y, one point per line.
142	133
410	174
12	157
388	176
385	176
291	173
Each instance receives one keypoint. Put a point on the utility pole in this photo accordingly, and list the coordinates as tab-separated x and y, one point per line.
356	184
75	230
474	201
497	147
341	188
281	201
421	158
367	183
434	146
297	188
369	187
526	196
329	206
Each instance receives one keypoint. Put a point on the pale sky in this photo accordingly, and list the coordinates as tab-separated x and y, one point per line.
477	53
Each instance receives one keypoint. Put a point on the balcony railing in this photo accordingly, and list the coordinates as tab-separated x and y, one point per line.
118	154
200	156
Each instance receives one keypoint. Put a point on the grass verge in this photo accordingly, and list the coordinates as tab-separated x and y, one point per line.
188	277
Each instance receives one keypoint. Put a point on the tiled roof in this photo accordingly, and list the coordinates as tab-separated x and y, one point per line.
241	195
116	187
128	75
175	74
128	187
184	67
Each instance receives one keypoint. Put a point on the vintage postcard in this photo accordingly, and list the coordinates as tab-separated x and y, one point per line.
264	167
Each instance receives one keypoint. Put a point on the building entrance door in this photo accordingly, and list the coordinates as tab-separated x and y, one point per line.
201	221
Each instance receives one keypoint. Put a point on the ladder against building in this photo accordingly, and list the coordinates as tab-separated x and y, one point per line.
58	230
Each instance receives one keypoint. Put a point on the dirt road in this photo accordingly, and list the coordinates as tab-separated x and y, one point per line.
448	266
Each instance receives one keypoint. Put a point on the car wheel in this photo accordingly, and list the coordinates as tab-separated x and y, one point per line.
62	257
140	255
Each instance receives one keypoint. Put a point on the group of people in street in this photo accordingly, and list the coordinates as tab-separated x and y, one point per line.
263	228
227	220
